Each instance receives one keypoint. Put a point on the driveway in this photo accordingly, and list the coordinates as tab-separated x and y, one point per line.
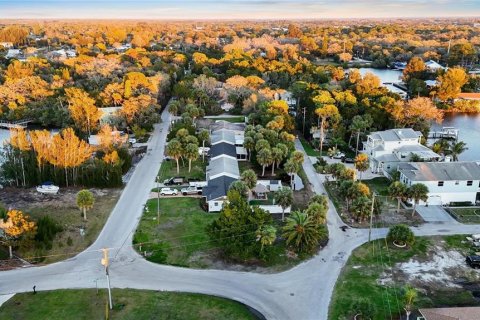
435	214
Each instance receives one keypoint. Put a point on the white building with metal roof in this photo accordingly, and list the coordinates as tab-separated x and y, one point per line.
386	149
446	181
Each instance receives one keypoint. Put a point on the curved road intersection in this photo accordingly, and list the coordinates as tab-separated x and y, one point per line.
301	293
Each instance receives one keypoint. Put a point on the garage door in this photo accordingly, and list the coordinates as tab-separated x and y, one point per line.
434	201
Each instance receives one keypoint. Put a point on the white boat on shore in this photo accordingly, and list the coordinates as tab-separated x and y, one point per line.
48	189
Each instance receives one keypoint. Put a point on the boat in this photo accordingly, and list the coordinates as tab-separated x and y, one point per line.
48	188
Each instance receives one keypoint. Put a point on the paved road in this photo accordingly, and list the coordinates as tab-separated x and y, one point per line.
302	293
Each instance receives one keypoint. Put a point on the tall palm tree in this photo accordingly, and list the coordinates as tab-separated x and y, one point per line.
277	156
191	153
298	157
417	192
291	167
174	107
85	201
266	235
359	124
410	295
361	208
249	144
204	136
457	148
264	158
326	113
284	198
174	149
301	231
398	191
249	177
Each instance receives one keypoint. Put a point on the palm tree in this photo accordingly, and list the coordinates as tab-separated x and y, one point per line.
291	167
249	177
285	152
410	295
266	235
361	163
85	201
417	192
361	208
191	153
284	198
264	158
174	149
298	157
240	187
359	124
203	136
277	156
317	212
261	144
457	148
174	107
249	144
301	231
399	191
325	113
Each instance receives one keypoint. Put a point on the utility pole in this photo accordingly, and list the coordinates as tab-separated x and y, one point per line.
105	263
304	111
158	200
371	217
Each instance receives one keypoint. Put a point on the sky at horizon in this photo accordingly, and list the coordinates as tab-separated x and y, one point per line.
235	9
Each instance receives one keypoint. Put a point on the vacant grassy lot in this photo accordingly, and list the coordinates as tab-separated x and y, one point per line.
180	233
379	185
466	215
128	304
169	169
63	209
372	273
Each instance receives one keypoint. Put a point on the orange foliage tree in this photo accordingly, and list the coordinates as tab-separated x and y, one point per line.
82	109
14	227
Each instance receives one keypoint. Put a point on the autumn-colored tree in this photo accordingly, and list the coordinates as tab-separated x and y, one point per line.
113	94
18	70
41	143
19	140
414	67
82	109
450	84
14	227
417	109
111	158
133	106
109	138
361	163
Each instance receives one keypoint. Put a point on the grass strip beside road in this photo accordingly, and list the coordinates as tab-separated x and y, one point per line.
169	169
128	304
180	233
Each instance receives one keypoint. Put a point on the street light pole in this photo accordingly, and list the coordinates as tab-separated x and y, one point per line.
105	263
371	217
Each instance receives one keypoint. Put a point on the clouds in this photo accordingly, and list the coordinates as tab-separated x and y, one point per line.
236	9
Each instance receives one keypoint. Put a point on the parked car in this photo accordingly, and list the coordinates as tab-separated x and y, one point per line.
348	160
473	261
191	190
338	155
173	181
132	140
168	192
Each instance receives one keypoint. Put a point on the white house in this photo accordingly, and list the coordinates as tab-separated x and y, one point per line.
433	66
215	192
223	135
446	181
386	149
13	53
6	45
222	166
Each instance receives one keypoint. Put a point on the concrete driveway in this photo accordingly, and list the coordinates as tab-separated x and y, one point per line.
435	214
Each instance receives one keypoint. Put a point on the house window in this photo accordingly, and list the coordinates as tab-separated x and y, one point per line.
440	183
457	183
215	204
469	183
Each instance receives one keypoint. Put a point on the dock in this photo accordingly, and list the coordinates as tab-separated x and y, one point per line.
449	133
20	124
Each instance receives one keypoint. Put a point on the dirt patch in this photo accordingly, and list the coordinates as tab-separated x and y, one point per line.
441	269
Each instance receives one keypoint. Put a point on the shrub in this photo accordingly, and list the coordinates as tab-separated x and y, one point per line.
363	307
401	234
47	228
69	241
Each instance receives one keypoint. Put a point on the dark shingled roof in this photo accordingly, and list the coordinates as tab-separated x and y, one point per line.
223	148
217	187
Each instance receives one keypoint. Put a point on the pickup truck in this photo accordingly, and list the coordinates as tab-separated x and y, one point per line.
173	181
191	190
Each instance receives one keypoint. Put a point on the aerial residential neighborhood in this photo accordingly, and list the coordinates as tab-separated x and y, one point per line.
290	160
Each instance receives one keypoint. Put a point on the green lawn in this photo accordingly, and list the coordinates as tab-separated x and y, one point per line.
379	185
466	215
128	304
309	149
169	169
359	279
180	234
